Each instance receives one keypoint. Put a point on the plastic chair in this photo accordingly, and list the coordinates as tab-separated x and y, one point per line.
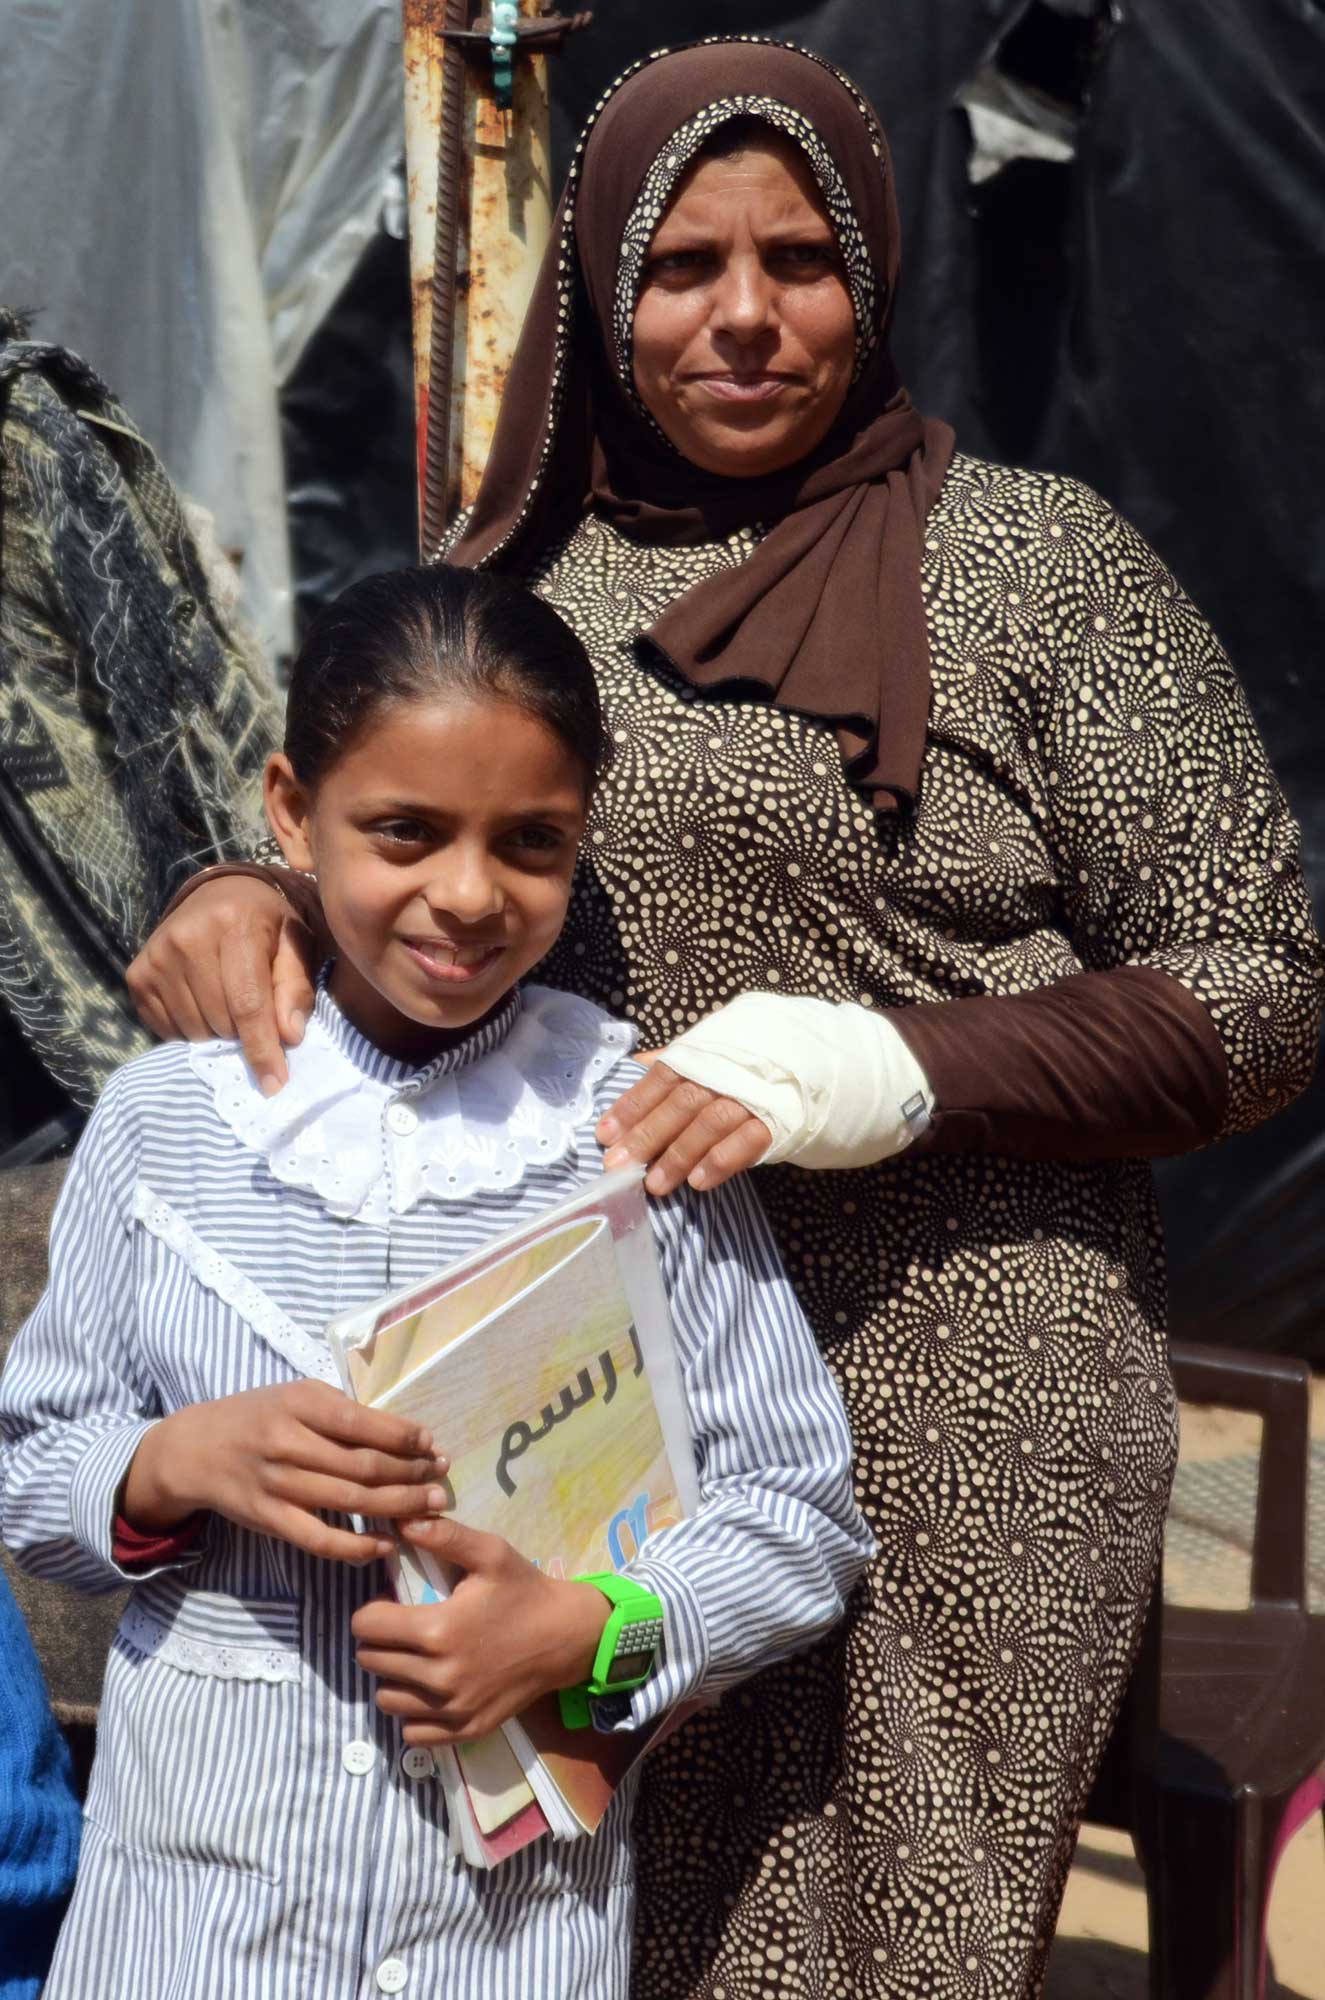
1241	1751
1220	1752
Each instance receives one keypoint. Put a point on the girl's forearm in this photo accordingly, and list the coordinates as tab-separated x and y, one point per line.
154	1495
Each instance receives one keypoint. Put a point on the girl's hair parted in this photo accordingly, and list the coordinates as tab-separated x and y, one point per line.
427	633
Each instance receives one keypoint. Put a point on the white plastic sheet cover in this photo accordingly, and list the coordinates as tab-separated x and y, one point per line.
185	185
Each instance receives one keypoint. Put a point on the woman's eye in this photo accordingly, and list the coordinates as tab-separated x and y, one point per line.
677	264
807	256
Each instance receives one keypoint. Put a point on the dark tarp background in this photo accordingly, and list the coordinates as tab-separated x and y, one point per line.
1144	314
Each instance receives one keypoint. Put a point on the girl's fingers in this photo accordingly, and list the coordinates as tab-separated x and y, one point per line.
372	1471
430	1735
435	1719
408	1679
636	1103
318	1538
316	1493
333	1414
718	1119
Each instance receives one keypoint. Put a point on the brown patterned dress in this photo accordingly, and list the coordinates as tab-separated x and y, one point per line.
893	1814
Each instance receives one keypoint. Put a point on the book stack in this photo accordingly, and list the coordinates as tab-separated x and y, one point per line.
544	1366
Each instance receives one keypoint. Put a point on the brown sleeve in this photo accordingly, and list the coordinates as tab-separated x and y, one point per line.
1123	1064
299	892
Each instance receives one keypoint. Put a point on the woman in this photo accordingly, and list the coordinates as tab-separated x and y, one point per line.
929	738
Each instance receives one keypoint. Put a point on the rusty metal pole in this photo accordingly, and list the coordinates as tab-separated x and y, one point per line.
499	197
426	67
510	219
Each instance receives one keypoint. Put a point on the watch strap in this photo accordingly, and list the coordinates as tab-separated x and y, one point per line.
634	1626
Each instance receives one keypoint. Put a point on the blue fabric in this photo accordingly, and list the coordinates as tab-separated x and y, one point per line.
39	1814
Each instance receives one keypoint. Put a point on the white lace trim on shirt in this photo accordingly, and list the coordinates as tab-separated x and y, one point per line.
219	1659
254	1306
370	1149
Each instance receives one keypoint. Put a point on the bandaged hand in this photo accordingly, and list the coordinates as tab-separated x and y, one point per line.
771	1077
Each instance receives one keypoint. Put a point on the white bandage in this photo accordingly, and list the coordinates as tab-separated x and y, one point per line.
836	1084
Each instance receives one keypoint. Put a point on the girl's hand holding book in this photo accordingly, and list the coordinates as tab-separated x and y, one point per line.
507	1635
278	1459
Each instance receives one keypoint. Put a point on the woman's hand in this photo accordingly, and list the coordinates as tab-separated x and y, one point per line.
687	1132
506	1635
277	1459
232	960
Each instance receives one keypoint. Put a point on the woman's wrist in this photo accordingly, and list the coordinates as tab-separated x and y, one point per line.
222	871
836	1083
155	1493
294	894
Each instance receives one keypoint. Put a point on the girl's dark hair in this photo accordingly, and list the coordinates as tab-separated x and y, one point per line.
410	634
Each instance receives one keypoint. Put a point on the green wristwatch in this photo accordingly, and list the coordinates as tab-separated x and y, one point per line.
627	1652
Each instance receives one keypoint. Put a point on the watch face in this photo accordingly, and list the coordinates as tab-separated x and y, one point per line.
630	1666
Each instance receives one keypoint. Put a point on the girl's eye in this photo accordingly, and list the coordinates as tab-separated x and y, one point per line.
400	832
540	839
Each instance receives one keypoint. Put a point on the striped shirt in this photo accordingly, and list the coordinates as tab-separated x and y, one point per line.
255	1828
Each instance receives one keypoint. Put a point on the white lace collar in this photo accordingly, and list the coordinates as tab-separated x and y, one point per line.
371	1137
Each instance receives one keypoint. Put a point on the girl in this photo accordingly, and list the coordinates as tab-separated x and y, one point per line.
264	1817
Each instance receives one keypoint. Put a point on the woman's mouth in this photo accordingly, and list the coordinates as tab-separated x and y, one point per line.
452	964
743	388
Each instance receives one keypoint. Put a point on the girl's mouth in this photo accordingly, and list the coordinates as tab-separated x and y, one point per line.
452	964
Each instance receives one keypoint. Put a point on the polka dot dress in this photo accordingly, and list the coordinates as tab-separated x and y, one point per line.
892	1813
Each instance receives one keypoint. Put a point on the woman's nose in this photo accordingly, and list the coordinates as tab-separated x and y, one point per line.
743	303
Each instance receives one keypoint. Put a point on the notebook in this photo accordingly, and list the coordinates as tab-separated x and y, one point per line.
544	1365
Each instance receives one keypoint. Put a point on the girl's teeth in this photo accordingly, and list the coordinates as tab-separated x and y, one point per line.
451	954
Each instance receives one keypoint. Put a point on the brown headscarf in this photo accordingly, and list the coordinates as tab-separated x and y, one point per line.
825	616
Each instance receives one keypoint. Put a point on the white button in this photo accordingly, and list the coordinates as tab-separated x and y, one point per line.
392	1975
417	1762
358	1757
401	1119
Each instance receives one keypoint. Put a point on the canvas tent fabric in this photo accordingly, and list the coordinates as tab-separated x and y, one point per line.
135	719
186	190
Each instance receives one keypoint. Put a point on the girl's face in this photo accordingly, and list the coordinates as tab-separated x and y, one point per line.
444	843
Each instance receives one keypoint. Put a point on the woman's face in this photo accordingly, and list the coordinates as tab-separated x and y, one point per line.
745	339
